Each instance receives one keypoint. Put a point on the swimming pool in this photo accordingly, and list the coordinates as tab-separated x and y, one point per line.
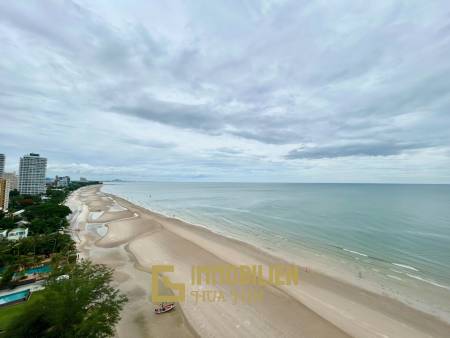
14	297
40	269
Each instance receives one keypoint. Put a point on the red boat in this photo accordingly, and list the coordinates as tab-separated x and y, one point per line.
165	308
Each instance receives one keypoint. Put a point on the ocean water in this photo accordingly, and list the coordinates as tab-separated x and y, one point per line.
396	236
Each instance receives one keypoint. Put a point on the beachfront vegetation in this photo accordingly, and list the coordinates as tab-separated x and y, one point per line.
84	305
42	216
37	247
48	210
46	219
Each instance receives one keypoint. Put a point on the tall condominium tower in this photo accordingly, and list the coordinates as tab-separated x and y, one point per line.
4	194
32	174
2	164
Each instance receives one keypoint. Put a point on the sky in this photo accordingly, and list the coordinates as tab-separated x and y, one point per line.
257	91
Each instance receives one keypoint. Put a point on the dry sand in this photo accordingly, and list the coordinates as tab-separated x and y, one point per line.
319	306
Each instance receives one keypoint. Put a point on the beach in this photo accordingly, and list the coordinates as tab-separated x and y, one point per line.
130	239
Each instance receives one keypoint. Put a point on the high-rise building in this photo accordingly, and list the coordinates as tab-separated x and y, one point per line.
62	182
2	164
4	194
13	180
32	174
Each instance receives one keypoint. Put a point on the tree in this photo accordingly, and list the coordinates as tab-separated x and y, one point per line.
85	305
38	245
7	276
47	210
8	223
56	196
47	225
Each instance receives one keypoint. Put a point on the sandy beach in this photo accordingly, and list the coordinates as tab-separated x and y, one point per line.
130	239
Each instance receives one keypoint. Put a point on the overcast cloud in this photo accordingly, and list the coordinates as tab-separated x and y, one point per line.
305	91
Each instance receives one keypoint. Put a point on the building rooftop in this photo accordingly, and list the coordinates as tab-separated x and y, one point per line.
18	212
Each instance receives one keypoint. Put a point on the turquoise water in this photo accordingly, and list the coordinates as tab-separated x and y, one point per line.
13	297
41	269
399	232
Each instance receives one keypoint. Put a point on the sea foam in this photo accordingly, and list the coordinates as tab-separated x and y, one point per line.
428	281
405	266
355	252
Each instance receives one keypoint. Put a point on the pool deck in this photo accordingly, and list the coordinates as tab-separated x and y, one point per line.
37	286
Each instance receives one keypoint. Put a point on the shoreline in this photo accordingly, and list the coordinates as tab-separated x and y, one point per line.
392	279
323	306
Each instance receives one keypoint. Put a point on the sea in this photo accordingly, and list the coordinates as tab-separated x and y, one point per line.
393	238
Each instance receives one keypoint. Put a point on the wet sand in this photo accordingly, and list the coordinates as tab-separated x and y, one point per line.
319	306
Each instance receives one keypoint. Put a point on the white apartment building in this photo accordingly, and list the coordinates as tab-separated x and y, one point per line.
32	174
62	182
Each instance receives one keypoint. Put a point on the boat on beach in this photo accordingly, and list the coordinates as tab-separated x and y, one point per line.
163	308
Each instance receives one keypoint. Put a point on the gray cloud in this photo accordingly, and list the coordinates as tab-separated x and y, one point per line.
347	79
190	116
355	149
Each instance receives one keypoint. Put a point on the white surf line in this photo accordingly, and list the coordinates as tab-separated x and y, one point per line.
405	266
355	252
428	281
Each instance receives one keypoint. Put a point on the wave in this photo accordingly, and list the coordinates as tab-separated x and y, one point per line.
355	252
405	266
428	281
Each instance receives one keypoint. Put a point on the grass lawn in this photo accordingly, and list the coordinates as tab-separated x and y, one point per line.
7	313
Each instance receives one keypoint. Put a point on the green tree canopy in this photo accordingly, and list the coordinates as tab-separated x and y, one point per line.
8	223
11	251
85	305
46	210
57	196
